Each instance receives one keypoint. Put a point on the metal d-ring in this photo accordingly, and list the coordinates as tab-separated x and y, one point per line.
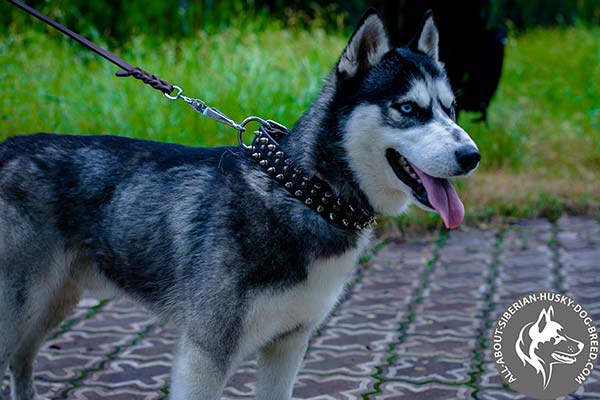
242	129
177	95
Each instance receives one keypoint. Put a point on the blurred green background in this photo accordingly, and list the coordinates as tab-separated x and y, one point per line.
120	20
541	146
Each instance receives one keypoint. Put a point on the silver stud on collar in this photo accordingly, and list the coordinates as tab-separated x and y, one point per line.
311	190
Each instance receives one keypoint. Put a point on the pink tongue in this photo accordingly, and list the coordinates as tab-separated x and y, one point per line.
443	198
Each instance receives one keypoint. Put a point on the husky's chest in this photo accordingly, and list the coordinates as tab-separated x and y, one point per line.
304	305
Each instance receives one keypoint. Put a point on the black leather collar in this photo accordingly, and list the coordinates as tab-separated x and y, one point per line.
311	190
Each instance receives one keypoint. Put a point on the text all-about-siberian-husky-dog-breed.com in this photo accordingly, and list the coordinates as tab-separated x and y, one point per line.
243	251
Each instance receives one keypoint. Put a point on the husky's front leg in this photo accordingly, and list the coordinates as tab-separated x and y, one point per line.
199	372
278	365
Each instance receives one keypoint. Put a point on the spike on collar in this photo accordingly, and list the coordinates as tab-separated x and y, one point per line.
311	190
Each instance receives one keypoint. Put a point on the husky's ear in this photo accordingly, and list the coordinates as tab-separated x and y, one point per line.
429	39
544	318
367	46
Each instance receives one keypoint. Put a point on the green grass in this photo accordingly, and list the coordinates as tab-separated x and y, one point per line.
549	96
541	148
51	84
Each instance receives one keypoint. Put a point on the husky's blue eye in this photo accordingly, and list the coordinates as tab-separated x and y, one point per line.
404	108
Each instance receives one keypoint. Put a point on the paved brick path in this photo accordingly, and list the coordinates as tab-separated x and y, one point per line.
414	324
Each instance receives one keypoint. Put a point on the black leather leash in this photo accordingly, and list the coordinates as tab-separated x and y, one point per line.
128	69
311	190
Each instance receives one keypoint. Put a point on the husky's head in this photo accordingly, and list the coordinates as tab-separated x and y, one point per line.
391	112
544	343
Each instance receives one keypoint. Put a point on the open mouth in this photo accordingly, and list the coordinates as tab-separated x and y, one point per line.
563	358
406	173
434	193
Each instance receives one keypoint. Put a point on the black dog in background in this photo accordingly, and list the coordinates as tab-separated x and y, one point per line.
472	52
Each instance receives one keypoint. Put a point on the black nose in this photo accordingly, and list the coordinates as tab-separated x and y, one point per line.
467	157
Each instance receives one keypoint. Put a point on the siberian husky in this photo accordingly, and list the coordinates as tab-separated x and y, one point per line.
209	239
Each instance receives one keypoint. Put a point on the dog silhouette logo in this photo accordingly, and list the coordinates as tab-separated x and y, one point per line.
545	345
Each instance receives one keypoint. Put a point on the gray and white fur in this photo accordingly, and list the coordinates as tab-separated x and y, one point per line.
202	236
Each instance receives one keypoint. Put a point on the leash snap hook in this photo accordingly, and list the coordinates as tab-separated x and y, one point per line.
217	115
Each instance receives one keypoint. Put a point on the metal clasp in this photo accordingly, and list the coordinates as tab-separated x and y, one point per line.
204	109
243	128
177	95
216	115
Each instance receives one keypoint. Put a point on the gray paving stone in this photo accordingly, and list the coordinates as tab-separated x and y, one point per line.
414	324
113	393
424	369
351	363
152	348
407	391
90	343
334	387
374	317
331	387
443	346
354	339
56	365
141	376
456	324
114	322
